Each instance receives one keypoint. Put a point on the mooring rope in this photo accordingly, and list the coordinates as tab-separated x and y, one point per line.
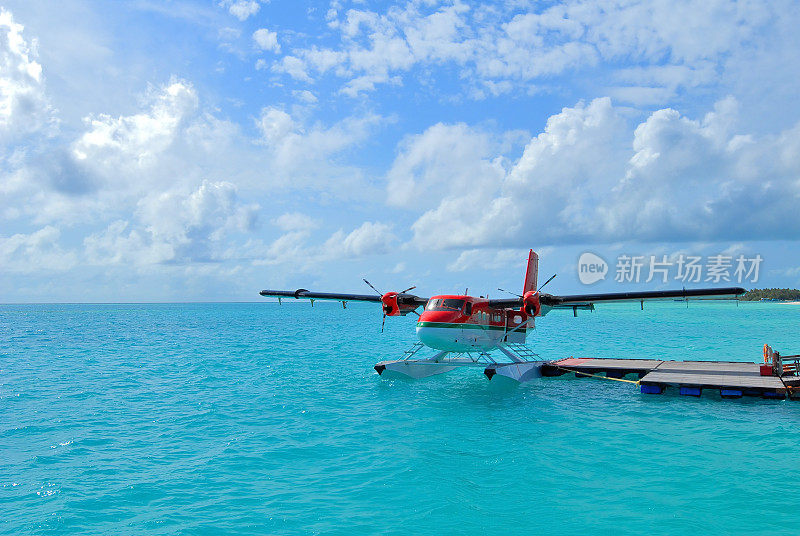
635	382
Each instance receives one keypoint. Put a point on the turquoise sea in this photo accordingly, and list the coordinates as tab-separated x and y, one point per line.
255	418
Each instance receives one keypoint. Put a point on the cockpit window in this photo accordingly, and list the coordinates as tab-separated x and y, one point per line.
456	305
444	304
432	304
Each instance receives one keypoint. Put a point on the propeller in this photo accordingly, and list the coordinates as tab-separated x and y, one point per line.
540	288
546	282
383	321
512	293
373	288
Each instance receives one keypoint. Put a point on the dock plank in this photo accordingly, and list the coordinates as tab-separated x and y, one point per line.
712	374
735	375
587	364
744	367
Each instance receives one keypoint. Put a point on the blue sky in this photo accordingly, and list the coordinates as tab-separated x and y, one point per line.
180	151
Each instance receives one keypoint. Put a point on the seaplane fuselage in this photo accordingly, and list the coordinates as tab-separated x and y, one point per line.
458	323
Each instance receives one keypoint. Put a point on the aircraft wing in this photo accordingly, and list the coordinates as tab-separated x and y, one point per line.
403	299
694	293
586	300
304	293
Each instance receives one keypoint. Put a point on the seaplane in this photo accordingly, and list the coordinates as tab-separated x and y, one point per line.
469	331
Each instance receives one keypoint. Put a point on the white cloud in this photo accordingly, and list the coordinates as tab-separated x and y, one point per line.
119	159
137	140
589	176
294	67
266	40
174	179
38	251
149	184
228	34
176	226
241	9
545	186
295	221
275	125
677	45
24	107
305	96
302	154
371	238
172	144
512	260
118	244
442	159
294	247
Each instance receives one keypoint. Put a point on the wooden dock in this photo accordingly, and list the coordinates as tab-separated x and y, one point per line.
731	379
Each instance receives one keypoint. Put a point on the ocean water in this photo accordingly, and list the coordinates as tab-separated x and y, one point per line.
264	419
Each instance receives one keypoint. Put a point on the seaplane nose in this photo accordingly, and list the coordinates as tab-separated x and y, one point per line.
435	329
429	336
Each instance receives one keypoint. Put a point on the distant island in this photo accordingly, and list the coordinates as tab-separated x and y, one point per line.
771	294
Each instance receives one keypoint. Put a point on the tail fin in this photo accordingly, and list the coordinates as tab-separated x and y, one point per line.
532	274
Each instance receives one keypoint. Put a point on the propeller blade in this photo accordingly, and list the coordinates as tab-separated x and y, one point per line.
383	322
546	282
512	293
373	288
406	290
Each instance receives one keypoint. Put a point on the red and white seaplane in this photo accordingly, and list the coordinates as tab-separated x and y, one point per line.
465	330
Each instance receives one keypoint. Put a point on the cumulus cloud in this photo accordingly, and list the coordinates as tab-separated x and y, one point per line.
39	251
304	95
294	67
119	244
483	259
444	158
176	226
170	183
118	159
370	238
295	247
266	40
136	141
499	48
24	107
549	179
173	143
302	154
295	221
241	9
592	176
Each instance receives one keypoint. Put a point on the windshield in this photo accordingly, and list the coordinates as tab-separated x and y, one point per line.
444	304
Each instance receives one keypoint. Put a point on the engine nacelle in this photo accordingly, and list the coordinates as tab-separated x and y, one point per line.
398	304
531	304
390	306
